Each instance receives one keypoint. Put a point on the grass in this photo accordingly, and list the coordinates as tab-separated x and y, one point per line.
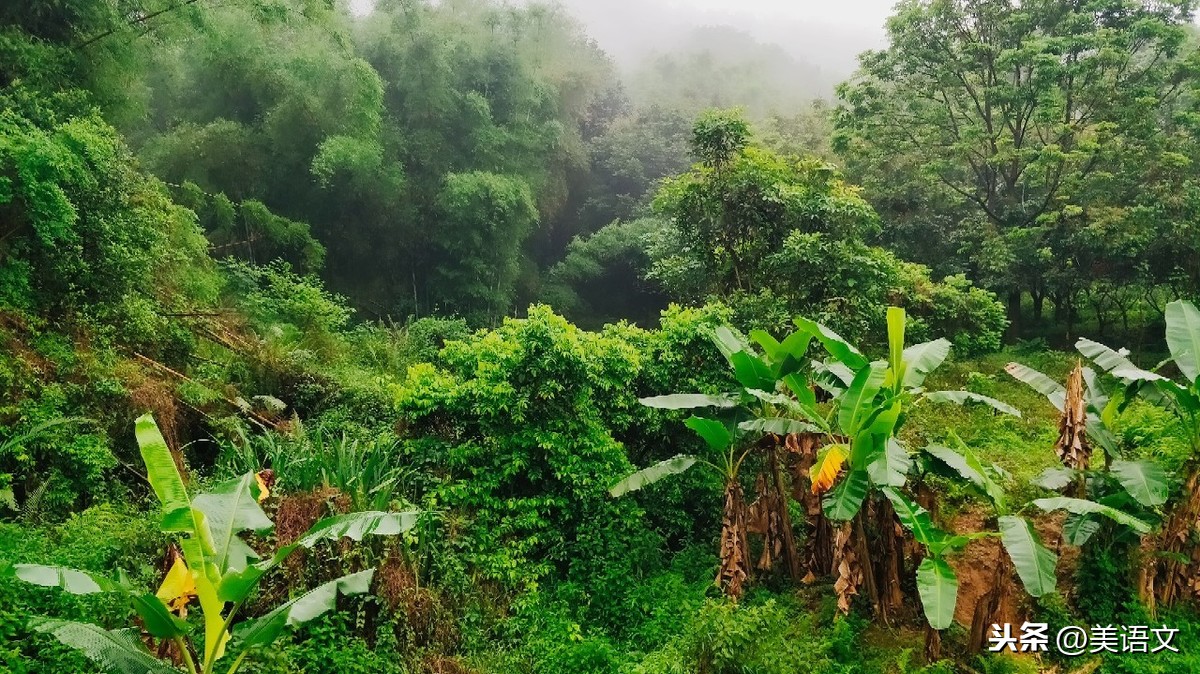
1022	446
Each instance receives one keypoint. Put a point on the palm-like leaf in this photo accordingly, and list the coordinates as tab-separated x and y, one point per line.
119	651
1145	481
646	476
714	433
837	347
778	426
1055	478
914	518
1034	563
1081	506
1183	338
231	508
856	404
688	401
1039	382
156	617
890	467
844	502
163	475
68	580
966	464
922	359
965	397
236	586
179	515
938	587
265	630
1107	358
1077	529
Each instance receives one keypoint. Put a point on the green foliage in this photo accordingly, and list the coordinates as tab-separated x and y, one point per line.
1022	152
1164	662
367	470
628	159
725	638
101	539
485	217
250	230
433	159
739	205
52	463
602	277
86	232
745	230
296	311
516	417
222	568
330	641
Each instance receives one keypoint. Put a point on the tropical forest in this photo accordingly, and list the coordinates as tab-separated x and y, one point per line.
599	337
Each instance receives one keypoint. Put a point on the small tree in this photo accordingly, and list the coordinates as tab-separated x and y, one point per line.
1175	570
217	568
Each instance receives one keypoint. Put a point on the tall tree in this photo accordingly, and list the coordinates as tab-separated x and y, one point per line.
1002	114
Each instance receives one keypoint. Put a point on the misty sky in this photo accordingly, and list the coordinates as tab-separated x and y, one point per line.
826	34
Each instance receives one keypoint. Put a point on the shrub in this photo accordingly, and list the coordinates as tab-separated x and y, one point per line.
101	539
725	638
515	427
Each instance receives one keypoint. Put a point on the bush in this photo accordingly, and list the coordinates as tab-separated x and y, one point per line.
848	286
601	278
725	638
102	538
294	309
84	231
513	424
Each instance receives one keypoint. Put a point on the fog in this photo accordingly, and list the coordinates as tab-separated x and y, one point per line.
823	37
828	35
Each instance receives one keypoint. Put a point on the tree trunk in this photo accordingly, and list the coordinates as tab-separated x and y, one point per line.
933	645
817	554
846	565
1014	314
867	563
890	564
1175	578
769	517
734	552
791	554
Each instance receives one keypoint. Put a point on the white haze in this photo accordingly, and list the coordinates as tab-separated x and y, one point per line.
825	34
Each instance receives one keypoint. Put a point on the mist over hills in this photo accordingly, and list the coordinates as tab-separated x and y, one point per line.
825	36
799	49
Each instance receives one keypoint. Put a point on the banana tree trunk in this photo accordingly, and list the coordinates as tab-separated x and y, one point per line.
847	566
933	645
890	565
817	553
734	552
769	517
1177	578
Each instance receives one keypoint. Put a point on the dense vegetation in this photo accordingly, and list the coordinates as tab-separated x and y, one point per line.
432	340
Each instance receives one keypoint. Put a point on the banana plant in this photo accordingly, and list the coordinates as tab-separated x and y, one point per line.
1021	546
1175	567
1088	412
734	428
217	568
870	401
